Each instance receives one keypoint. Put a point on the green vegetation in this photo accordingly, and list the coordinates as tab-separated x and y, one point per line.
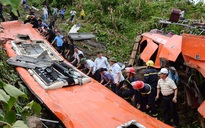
14	102
117	22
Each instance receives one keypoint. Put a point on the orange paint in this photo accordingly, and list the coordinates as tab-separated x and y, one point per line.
89	106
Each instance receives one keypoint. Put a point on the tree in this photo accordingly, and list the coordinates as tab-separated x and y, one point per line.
13	3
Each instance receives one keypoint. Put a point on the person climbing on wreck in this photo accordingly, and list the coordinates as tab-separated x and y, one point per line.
32	19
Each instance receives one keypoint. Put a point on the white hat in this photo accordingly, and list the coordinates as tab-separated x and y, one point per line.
163	71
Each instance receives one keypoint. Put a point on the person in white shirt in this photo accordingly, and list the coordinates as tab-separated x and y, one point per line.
55	12
73	13
45	13
116	72
169	92
89	66
100	62
76	60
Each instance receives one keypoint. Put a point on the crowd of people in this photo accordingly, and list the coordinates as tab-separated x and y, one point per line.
47	11
142	93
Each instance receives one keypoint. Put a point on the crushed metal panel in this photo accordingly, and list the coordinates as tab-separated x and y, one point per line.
193	52
172	48
198	65
158	38
149	50
201	109
193	46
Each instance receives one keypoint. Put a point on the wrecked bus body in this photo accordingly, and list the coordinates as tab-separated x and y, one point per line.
90	105
184	52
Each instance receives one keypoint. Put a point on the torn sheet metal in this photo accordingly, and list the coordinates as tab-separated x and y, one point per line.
172	48
193	52
149	50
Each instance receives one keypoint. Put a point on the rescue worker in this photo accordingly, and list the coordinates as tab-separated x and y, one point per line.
143	97
169	92
117	74
151	75
127	91
151	78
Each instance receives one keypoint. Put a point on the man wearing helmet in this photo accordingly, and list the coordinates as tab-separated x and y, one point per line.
143	97
169	92
127	91
151	78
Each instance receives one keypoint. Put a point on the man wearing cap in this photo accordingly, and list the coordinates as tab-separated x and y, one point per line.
143	94
116	73
89	66
169	92
100	62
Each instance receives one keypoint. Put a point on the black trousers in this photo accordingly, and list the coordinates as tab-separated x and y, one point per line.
72	17
97	75
2	17
125	93
170	110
